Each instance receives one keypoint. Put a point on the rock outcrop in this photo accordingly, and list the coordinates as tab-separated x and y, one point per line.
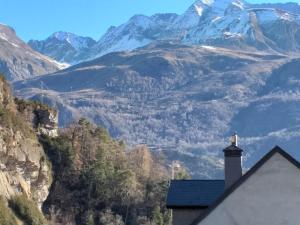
43	119
23	164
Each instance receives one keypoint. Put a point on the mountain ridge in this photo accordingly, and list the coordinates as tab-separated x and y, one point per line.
230	23
19	61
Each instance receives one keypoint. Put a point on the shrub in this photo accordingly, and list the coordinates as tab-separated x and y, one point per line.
22	105
9	119
6	216
27	210
108	218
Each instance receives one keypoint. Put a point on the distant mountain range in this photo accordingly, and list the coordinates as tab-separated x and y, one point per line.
188	83
223	23
19	61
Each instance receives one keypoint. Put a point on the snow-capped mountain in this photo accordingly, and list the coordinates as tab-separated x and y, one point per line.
19	61
235	24
64	47
139	31
222	23
77	42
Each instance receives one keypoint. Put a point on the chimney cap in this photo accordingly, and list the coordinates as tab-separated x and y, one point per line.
234	139
233	149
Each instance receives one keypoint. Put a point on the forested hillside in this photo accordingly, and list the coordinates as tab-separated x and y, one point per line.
97	182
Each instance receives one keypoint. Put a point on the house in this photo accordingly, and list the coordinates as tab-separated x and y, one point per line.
269	193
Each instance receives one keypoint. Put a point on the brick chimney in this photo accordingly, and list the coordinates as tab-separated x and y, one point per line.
233	162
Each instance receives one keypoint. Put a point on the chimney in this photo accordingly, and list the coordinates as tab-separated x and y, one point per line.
233	162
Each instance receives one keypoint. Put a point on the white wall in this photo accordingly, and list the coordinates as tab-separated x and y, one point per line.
271	196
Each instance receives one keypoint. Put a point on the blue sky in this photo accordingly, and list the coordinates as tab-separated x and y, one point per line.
39	18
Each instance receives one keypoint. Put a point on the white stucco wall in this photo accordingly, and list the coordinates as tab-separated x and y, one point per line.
269	196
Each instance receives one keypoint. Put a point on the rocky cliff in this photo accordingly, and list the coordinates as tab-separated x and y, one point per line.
23	164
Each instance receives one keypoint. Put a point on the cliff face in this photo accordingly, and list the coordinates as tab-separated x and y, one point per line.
23	165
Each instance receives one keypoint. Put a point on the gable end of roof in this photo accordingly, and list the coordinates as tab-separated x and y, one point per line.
258	165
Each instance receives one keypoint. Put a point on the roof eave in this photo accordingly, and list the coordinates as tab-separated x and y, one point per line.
187	207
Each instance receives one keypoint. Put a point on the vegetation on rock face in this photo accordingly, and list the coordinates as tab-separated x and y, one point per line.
22	159
6	216
25	104
27	210
8	117
11	120
97	182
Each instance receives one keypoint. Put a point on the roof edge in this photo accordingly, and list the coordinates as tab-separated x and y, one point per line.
186	207
198	180
239	182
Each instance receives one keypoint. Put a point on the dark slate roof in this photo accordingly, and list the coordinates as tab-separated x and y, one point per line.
239	182
194	193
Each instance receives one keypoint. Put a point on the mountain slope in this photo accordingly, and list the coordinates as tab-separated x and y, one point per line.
19	61
223	23
179	98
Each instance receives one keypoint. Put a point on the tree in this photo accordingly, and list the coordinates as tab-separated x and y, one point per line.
108	218
90	218
101	183
158	217
182	174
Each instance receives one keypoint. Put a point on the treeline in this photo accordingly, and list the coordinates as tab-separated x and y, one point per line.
96	182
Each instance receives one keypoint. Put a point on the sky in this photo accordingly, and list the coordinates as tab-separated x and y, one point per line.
37	19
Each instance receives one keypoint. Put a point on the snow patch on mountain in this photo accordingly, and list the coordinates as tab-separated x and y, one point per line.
238	4
199	10
5	38
208	47
125	44
76	41
270	15
207	2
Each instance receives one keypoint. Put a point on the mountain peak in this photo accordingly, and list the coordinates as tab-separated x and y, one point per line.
219	4
74	40
7	32
62	35
205	2
6	28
